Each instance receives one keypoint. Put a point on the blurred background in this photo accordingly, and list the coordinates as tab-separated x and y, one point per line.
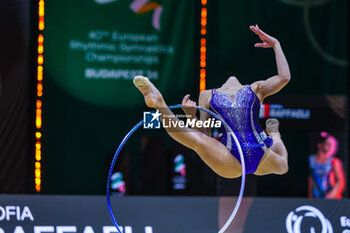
67	97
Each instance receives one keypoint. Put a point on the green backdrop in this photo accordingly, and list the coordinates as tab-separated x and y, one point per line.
93	49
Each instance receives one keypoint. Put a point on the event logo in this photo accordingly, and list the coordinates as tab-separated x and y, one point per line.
179	180
118	184
301	214
151	120
180	166
141	7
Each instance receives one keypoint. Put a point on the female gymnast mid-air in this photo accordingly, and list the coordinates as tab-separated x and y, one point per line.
239	107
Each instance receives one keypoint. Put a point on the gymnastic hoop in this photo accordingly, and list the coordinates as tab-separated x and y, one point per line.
127	136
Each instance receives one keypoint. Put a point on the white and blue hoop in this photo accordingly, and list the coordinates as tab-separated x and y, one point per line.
127	136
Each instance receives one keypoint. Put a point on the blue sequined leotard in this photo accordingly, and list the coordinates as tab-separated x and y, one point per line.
241	113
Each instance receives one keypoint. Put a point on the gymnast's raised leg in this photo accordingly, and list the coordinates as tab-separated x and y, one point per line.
211	151
275	159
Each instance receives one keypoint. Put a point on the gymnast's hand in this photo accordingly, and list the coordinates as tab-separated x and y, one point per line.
268	41
189	106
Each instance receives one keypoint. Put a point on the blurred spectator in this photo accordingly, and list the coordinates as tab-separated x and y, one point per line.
327	178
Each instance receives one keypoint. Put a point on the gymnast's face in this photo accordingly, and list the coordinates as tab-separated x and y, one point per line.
329	147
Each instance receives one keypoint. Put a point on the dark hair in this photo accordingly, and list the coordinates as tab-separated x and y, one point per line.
322	137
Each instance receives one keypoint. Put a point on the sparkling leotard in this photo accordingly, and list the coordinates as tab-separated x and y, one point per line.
241	113
320	176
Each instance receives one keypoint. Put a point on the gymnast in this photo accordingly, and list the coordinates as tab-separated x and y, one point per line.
239	107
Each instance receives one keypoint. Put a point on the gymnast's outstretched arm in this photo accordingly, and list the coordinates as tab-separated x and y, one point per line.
275	83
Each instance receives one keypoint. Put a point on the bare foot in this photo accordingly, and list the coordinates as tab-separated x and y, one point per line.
153	98
272	126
